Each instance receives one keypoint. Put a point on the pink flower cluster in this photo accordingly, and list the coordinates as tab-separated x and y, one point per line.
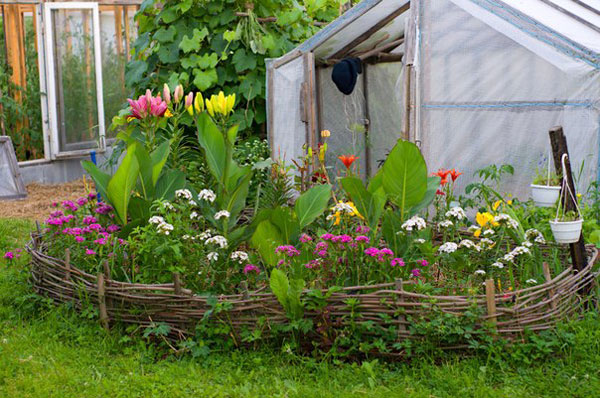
289	250
251	268
381	254
147	105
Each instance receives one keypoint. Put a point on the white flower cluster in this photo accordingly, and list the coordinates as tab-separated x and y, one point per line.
419	241
534	235
194	216
488	232
448	247
156	220
445	224
184	194
486	243
469	244
498	264
219	240
516	252
505	219
164	228
204	235
415	222
240	256
221	214
531	281
168	206
342	207
212	256
208	195
480	272
457	213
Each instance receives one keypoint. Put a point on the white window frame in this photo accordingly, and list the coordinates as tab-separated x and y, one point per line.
53	133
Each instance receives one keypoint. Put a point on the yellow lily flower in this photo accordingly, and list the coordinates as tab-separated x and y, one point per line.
496	205
483	218
222	103
477	233
230	102
190	110
199	103
322	152
168	113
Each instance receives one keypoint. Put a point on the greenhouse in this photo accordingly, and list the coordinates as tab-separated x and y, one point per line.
472	82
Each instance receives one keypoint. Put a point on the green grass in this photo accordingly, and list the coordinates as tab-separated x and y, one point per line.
50	352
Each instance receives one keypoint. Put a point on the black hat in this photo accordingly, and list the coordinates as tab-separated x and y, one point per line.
345	73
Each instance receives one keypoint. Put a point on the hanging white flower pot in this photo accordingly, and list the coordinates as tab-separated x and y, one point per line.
566	231
545	195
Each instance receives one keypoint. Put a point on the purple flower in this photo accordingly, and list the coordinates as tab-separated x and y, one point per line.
321	246
327	236
105	235
290	250
101	241
344	239
69	205
67	218
79	239
280	263
251	268
362	238
103	208
113	228
89	220
9	255
122	241
362	229
54	204
95	227
305	238
57	213
91	195
90	252
372	251
322	253
397	262
82	201
423	263
312	264
387	252
54	221
416	272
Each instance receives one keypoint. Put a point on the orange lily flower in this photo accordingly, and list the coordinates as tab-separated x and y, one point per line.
347	160
454	174
443	174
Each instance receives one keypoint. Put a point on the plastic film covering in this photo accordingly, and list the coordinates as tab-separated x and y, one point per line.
487	99
288	132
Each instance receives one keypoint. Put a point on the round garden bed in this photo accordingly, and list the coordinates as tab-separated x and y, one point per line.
384	305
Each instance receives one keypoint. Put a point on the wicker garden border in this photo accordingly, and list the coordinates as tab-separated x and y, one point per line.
535	308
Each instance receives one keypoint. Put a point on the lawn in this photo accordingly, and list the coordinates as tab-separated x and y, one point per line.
50	352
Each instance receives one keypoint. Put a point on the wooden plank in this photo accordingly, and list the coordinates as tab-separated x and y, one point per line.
490	300
367	122
127	39
102	301
341	53
407	82
310	102
558	141
548	278
15	48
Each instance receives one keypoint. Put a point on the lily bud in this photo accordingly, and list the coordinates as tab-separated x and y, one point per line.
148	97
199	103
189	100
325	133
178	93
166	93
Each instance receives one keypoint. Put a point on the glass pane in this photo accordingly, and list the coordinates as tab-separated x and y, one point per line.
115	36
75	77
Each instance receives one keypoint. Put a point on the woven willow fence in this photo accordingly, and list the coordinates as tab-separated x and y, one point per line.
534	308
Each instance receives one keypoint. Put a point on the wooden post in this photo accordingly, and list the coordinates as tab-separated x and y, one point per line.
177	283
366	122
106	269
558	141
401	318
244	287
68	264
548	278
102	301
490	299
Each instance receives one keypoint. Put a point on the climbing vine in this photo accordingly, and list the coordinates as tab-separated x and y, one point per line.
212	45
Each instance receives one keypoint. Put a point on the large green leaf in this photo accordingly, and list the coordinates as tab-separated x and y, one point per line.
405	176
265	239
311	204
159	158
169	182
369	205
213	143
101	179
122	183
236	199
285	219
145	184
433	184
280	285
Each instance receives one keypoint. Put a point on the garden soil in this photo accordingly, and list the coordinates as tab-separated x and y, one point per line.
40	197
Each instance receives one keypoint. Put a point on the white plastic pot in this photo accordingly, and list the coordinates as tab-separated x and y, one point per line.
566	231
544	195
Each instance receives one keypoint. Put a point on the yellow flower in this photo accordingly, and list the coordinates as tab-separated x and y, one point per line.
509	202
354	210
209	107
230	102
222	103
168	113
325	133
322	152
337	216
190	110
484	218
496	205
477	233
199	103
130	119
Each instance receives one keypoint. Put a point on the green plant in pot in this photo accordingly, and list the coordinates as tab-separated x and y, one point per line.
545	187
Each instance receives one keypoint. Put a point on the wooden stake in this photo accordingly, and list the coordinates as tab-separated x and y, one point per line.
558	141
401	318
548	278
68	264
490	293
102	301
244	287
177	283
106	269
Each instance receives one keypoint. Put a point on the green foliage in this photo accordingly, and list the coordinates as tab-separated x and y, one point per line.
288	292
311	204
203	45
404	176
369	204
